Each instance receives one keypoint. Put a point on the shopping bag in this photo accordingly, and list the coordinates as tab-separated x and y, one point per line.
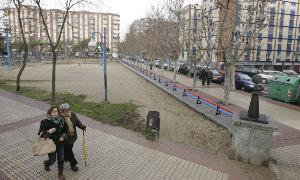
43	146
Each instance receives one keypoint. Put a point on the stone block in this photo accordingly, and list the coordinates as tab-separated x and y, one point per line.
251	142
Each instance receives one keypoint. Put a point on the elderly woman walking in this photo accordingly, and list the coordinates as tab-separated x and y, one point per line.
54	128
72	122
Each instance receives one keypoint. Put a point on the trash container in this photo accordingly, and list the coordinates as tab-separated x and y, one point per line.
284	88
298	95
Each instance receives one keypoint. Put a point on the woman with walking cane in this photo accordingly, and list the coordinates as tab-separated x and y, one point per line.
72	121
55	129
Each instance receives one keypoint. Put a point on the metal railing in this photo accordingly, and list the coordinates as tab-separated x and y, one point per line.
178	89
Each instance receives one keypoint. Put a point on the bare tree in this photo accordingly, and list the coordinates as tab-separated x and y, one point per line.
205	40
158	37
163	33
239	24
19	5
54	43
175	8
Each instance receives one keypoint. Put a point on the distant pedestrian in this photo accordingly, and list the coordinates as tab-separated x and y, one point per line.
151	65
209	77
203	76
54	128
72	122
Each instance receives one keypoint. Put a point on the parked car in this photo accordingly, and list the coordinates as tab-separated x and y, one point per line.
140	60
165	65
291	73
198	70
274	73
173	66
249	70
157	63
217	77
265	77
184	69
242	82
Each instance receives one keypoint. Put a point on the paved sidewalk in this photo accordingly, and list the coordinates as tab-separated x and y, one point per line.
114	153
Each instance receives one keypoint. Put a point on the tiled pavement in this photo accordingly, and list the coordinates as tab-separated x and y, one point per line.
110	157
13	111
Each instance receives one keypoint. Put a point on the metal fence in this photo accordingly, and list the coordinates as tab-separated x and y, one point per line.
215	112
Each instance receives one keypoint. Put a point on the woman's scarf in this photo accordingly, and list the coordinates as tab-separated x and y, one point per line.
70	125
57	120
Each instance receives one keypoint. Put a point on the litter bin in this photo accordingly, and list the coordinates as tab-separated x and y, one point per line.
284	88
298	95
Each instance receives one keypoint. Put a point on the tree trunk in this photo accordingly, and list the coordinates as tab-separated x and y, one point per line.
175	70
18	6
189	64
147	64
98	60
39	57
18	86
232	77
53	97
227	86
195	75
84	57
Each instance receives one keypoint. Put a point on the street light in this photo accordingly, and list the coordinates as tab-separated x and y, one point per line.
92	46
32	43
70	52
8	42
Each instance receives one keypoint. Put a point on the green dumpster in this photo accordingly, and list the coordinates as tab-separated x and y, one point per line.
284	88
298	96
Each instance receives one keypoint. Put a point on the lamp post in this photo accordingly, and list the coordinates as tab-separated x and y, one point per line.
92	46
32	44
8	42
70	52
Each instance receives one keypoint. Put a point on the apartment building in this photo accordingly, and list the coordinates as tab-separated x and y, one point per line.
79	26
277	45
190	29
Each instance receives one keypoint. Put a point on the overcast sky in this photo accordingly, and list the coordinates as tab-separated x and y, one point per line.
129	10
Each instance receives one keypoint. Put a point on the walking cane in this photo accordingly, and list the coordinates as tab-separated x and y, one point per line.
85	148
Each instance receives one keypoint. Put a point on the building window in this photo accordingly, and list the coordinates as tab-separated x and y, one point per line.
268	55
269	47
270	37
290	38
258	53
288	48
259	36
278	55
291	25
280	37
279	48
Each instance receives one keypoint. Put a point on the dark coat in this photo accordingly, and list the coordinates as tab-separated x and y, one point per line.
203	74
61	130
75	122
209	75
